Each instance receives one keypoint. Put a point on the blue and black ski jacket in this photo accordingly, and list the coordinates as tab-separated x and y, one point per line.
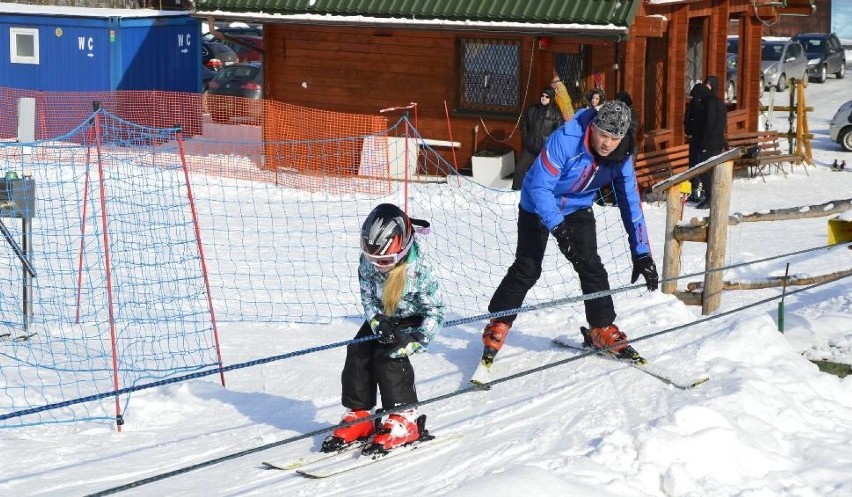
565	176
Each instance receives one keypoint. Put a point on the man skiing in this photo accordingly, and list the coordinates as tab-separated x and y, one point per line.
556	199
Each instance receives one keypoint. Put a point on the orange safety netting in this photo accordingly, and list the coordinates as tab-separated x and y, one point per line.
259	140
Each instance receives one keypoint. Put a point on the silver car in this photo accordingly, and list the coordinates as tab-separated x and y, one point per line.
840	128
781	61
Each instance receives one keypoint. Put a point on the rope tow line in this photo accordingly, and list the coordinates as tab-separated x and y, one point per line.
438	398
450	323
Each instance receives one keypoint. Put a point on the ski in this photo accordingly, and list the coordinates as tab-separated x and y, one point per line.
351	460
482	375
665	375
317	457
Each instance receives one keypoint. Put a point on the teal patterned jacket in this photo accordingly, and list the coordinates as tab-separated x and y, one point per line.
420	297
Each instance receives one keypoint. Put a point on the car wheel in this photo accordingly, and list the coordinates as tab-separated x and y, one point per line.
730	91
842	71
845	139
782	82
823	74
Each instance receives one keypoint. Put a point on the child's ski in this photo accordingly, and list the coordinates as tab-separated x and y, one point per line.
352	460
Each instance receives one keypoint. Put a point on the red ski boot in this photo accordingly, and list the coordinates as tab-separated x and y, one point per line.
493	337
343	437
613	339
400	428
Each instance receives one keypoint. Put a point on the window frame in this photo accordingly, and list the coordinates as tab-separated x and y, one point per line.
474	108
14	56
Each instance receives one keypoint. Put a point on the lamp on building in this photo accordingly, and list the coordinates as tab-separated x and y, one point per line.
543	42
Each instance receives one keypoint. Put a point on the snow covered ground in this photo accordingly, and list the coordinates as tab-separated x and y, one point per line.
768	423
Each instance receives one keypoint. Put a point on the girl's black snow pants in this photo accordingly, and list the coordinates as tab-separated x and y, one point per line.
367	367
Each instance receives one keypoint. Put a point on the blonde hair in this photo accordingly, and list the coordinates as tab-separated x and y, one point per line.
394	287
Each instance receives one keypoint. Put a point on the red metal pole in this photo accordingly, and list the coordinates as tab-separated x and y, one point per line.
110	305
83	224
200	246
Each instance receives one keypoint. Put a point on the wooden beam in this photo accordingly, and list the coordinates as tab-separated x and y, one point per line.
803	212
772	282
649	26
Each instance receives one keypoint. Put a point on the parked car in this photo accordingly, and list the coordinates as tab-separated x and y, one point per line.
731	78
244	51
214	56
782	60
237	80
825	55
733	44
217	50
840	128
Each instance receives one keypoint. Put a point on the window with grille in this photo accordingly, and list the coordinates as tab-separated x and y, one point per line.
489	74
571	69
656	76
695	53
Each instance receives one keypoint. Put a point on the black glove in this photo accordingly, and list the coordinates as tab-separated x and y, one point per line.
385	327
563	232
644	265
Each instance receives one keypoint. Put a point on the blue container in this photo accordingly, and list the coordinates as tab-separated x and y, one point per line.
87	49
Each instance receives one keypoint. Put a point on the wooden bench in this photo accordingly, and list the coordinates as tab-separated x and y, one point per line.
767	153
653	167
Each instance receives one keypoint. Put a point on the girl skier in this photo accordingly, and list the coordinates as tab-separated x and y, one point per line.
402	307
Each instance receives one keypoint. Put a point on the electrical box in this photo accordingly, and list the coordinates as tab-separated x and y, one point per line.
17	198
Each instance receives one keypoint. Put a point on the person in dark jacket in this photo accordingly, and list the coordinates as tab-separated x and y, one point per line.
694	119
540	120
556	199
711	141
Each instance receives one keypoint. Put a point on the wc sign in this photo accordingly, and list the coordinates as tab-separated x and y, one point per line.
184	41
86	44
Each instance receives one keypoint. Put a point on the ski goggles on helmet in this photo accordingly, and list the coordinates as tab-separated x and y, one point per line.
388	261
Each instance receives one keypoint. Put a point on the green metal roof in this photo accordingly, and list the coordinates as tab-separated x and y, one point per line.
616	12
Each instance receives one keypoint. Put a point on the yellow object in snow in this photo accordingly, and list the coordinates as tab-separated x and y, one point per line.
686	188
839	230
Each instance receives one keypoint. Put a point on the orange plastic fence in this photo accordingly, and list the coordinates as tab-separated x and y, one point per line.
259	140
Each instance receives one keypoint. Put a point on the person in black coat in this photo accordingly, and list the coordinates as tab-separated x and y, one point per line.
694	120
711	141
540	120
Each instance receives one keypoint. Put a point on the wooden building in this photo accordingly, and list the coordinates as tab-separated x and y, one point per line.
818	22
473	67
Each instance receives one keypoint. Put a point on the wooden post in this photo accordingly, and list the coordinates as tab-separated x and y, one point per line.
672	247
717	236
671	263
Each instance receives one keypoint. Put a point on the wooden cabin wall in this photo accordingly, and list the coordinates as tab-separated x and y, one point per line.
818	22
362	70
716	14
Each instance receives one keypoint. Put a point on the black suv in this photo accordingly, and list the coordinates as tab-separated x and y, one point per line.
825	55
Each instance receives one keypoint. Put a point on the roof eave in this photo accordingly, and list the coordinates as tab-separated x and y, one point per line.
608	31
